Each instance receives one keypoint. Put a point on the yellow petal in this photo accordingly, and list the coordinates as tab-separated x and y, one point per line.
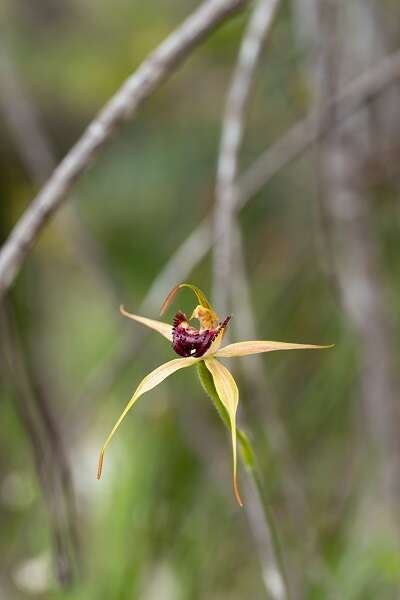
250	347
229	396
164	328
147	384
207	317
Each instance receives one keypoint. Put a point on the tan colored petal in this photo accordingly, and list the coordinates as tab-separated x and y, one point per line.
207	317
255	347
164	328
229	396
147	384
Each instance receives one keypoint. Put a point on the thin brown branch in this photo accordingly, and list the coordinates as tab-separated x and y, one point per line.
255	381
305	133
356	257
122	106
196	431
231	139
326	61
224	231
49	456
257	385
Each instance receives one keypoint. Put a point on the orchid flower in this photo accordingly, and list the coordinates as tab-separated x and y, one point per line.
201	347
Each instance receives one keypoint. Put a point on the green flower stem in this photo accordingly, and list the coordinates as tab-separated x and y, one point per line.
248	457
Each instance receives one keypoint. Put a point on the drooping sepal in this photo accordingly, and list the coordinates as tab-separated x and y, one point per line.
207	383
148	383
228	394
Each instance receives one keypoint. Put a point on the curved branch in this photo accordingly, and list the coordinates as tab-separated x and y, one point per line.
303	134
231	139
122	106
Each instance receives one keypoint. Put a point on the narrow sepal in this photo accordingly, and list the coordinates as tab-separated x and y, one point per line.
256	347
164	328
148	383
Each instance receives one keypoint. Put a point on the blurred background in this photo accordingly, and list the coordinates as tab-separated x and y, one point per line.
317	262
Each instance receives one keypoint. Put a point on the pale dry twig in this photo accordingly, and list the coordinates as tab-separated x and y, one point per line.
231	140
225	225
356	256
122	106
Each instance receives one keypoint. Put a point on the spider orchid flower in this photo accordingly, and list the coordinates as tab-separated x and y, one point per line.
194	346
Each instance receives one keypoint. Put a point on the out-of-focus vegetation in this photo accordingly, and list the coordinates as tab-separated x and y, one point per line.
162	523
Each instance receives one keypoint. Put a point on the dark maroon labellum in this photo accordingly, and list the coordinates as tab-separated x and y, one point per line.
188	341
